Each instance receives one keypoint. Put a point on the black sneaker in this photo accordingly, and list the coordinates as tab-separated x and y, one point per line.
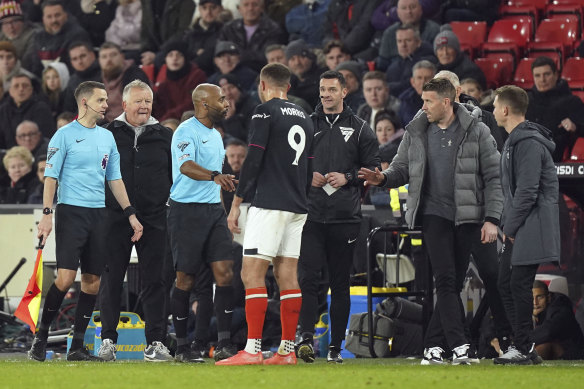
82	355
305	350
224	352
188	356
534	356
38	349
199	349
334	355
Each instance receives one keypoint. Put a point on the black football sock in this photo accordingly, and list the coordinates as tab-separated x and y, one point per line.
224	312
53	302
179	307
83	313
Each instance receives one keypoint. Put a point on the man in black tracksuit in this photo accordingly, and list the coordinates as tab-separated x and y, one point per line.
342	144
145	163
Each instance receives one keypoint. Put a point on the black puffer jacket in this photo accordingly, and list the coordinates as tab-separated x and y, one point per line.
146	169
343	146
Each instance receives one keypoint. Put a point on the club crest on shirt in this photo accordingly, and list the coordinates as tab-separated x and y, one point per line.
51	152
183	145
104	161
347	132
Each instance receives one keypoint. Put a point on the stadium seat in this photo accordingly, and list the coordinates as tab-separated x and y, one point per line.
573	69
470	34
578	151
523	77
517	31
501	50
577	88
539	4
498	71
563	30
516	12
581	2
554	50
559	10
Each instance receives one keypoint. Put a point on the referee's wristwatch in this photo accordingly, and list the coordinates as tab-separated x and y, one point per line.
214	174
47	211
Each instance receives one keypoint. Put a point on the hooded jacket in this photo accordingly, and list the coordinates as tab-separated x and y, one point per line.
342	146
145	164
477	187
531	190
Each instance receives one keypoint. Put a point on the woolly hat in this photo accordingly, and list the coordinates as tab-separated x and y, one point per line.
10	8
231	79
446	38
352	66
225	47
8	46
217	2
179	46
298	47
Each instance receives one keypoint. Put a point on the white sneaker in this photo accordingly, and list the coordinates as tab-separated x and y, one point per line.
107	350
513	357
157	352
433	356
460	355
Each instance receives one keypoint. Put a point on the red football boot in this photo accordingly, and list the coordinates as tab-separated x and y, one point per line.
278	359
242	358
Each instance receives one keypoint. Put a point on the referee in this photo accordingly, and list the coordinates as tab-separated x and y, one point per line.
197	222
81	156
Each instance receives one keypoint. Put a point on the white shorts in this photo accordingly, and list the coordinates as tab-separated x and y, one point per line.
271	233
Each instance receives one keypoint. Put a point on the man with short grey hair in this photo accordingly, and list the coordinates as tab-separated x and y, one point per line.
28	135
144	147
411	99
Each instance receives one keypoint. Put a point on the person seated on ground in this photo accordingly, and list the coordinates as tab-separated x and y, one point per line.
408	12
377	97
552	104
352	72
22	104
556	333
305	72
55	79
10	64
411	49
252	33
241	107
472	88
450	57
411	99
228	61
23	180
29	136
334	53
173	96
276	53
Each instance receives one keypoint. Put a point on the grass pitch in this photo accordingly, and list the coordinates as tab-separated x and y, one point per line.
354	373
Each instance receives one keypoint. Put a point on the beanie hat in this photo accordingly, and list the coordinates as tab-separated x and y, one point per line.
216	2
8	46
352	66
298	47
179	46
231	79
10	8
446	38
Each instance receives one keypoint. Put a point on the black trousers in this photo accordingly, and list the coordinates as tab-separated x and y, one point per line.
516	283
151	250
330	245
486	259
448	248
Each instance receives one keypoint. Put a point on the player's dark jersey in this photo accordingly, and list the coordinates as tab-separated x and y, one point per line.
280	140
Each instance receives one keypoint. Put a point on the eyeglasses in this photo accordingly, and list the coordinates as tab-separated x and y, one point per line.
28	135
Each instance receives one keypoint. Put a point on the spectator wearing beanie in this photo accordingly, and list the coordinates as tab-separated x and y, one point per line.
11	65
447	49
241	107
305	72
352	72
16	30
182	77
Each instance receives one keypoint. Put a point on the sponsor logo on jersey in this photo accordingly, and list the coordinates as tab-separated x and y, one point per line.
347	132
51	152
104	161
183	145
184	156
260	116
293	112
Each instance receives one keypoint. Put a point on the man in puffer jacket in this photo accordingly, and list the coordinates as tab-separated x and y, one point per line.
451	163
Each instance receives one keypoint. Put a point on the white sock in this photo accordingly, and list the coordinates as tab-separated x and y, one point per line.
253	346
286	347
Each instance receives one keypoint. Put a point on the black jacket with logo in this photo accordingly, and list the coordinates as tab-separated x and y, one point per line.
146	169
342	145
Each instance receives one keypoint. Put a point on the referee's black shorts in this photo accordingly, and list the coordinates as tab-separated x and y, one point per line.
198	235
80	238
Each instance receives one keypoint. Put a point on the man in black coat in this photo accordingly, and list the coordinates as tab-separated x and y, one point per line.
145	164
552	104
530	221
343	143
86	68
556	333
305	71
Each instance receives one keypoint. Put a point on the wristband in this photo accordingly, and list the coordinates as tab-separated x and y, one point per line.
129	211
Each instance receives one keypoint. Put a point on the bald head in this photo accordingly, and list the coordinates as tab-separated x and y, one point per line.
210	103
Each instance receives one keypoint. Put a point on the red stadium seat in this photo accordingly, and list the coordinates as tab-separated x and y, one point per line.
573	69
501	50
581	2
523	77
470	34
577	88
563	30
578	151
539	4
517	31
559	10
554	50
579	93
498	71
515	12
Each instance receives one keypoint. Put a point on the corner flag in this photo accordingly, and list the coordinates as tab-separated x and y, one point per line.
29	307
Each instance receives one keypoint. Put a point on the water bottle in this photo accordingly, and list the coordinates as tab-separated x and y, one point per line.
49	355
321	336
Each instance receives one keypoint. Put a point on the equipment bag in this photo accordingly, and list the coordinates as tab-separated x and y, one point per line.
357	340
